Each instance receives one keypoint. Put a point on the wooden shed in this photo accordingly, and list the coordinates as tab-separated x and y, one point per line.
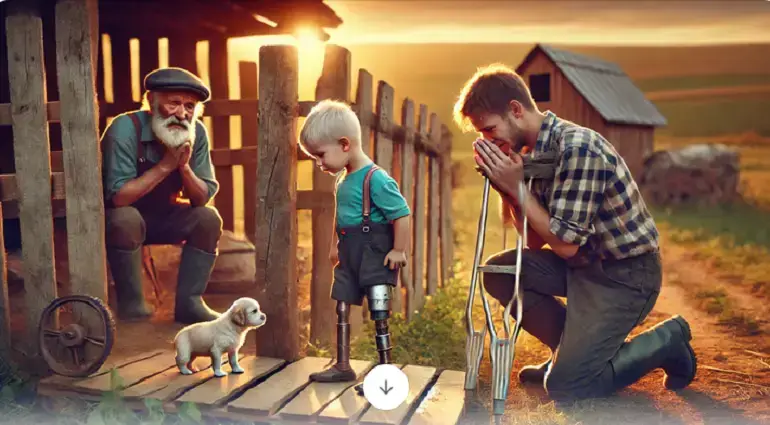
594	93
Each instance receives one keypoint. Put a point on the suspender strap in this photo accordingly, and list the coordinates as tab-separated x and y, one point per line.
366	195
139	145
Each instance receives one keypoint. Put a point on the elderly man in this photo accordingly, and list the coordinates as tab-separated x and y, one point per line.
158	180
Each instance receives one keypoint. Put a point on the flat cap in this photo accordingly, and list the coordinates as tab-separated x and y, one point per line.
172	78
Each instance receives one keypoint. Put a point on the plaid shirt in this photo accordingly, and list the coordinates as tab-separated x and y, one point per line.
592	200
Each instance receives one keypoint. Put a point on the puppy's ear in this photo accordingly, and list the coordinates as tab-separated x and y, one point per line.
239	317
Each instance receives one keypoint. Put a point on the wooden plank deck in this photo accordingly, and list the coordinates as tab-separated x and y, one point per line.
269	391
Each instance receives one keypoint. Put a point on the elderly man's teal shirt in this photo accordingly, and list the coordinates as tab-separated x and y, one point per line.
119	161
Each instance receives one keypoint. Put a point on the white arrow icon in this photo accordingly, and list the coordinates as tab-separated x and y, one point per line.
386	387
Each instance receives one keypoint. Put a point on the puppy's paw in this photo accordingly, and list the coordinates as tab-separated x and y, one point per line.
220	373
237	369
185	371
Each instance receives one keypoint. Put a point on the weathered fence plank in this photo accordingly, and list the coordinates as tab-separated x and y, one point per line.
276	218
5	303
447	236
78	20
334	83
249	78
149	57
433	209
364	101
26	73
407	189
419	212
122	94
220	126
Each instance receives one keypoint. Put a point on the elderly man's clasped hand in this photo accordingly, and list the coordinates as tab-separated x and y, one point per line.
505	172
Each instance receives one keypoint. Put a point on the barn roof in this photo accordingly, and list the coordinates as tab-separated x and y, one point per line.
605	86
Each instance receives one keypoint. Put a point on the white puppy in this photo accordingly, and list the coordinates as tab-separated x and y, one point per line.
216	337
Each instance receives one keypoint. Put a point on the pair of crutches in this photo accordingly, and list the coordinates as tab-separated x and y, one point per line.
501	350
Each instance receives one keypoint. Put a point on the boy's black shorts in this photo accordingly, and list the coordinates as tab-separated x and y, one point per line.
361	262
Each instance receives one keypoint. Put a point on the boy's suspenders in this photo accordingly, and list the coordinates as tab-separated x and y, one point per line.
366	196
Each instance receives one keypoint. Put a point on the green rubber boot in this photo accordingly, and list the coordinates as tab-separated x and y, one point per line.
126	268
194	271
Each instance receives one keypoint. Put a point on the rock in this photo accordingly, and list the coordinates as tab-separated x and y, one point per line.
705	174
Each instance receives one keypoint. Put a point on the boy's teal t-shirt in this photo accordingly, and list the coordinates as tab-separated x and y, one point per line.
386	204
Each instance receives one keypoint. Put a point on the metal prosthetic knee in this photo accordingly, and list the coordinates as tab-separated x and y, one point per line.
379	309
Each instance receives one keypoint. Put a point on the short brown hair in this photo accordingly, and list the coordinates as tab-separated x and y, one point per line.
490	90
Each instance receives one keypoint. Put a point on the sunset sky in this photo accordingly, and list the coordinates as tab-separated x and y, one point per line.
604	22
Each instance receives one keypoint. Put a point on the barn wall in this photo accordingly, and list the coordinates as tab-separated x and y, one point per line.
565	101
632	142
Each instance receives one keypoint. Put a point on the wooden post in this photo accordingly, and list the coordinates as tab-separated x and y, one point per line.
447	237
76	42
419	213
276	218
26	72
407	189
5	304
334	83
149	57
249	78
433	207
182	53
225	198
364	100
383	147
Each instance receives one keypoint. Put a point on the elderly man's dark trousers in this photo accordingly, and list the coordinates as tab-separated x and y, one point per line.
592	355
127	229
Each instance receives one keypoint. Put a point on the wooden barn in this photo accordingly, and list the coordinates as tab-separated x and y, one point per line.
594	93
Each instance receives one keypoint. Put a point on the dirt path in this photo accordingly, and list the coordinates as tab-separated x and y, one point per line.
710	399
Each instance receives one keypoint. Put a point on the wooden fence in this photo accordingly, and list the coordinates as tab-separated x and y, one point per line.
415	151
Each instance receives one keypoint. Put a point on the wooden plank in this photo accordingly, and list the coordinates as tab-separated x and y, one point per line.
9	187
383	144
122	94
182	53
334	83
5	304
26	73
267	398
220	126
419	213
445	403
346	408
59	382
407	189
249	90
419	378
130	374
433	209
276	218
77	24
446	234
318	395
217	391
170	384
364	101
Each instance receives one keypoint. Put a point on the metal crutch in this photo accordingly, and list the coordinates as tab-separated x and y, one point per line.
501	349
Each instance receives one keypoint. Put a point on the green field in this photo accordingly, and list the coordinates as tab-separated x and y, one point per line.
701	81
714	117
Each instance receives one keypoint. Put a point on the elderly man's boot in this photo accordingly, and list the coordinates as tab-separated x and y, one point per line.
666	346
545	321
195	269
341	370
126	268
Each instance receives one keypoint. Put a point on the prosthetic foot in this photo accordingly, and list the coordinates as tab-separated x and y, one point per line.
340	371
379	309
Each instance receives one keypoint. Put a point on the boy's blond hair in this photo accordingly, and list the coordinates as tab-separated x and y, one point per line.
327	122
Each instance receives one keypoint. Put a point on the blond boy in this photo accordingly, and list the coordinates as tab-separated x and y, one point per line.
371	228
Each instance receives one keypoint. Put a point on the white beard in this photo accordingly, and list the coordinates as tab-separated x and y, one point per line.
172	137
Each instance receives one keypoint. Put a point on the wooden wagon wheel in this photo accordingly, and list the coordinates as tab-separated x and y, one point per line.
75	349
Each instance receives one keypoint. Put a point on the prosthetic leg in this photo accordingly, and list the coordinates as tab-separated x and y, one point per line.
501	350
341	371
379	310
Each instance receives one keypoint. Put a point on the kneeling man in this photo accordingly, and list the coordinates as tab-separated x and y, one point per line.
158	180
